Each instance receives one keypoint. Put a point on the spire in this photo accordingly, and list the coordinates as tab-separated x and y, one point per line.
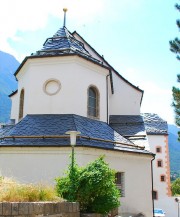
64	42
65	10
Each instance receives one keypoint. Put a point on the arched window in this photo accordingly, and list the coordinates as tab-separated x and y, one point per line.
21	104
93	102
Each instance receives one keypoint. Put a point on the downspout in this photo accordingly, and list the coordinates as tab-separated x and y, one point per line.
152	181
107	99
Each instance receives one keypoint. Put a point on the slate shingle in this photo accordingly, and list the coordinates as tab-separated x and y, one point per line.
154	124
63	42
131	127
128	124
5	129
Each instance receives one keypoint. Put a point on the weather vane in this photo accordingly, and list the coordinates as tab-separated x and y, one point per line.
65	10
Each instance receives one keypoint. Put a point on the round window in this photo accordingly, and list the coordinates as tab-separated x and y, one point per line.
52	86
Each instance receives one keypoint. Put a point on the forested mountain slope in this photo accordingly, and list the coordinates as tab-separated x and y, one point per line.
174	149
8	83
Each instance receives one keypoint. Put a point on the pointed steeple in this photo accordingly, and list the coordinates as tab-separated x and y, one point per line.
63	42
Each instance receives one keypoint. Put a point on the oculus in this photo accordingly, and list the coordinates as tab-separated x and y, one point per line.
52	86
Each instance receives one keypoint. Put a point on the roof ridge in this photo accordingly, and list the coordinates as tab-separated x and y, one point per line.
68	36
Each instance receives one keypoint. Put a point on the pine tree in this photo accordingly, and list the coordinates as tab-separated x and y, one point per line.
175	48
175	44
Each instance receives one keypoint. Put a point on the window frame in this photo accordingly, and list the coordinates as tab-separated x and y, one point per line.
159	147
164	178
21	104
120	182
155	195
159	161
97	102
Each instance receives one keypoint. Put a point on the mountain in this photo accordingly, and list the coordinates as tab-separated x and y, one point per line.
174	149
8	83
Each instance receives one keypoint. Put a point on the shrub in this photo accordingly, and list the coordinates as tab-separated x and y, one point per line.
67	187
94	187
12	191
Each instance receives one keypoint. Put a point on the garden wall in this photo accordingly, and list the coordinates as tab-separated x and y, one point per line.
33	209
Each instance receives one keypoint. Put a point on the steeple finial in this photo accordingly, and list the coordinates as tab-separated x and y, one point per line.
65	10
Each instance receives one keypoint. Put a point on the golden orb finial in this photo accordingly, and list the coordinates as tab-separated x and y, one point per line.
65	9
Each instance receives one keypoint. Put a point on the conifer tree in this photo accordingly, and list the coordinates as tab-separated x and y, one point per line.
175	48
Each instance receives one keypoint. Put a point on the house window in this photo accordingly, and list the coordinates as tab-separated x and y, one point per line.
159	163
21	104
93	102
158	149
163	178
155	195
120	183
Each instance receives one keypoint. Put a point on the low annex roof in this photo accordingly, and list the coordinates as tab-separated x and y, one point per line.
130	126
138	125
49	131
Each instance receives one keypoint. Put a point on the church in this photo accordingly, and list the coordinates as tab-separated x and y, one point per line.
67	86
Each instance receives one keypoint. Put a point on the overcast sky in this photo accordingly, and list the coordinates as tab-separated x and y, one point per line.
133	36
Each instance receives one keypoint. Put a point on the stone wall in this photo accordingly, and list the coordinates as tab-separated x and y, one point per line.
33	209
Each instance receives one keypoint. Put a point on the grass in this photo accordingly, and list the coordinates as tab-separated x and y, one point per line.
12	191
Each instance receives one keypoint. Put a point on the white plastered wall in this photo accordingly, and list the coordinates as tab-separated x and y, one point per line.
89	49
44	164
75	75
15	106
126	99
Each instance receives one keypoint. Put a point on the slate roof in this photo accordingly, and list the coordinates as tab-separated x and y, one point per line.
131	127
137	127
154	124
63	42
4	130
128	124
37	128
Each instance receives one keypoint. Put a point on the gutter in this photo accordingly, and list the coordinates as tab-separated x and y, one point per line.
142	97
107	98
64	137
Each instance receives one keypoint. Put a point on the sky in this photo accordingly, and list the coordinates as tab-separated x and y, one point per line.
132	35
